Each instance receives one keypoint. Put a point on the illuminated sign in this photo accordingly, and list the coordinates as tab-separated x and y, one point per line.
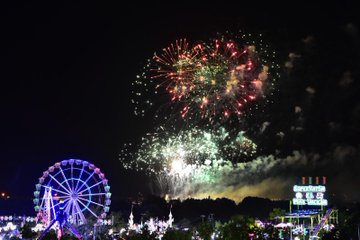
310	195
309	188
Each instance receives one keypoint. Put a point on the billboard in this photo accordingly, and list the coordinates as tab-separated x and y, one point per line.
313	195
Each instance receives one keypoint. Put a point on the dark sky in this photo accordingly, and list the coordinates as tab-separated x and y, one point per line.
66	72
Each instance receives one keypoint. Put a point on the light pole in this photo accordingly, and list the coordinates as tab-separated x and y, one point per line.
202	218
94	232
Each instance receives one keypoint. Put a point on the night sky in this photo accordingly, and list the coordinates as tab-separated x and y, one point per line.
66	74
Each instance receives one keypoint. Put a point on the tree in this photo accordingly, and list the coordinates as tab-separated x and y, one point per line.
144	235
68	236
118	221
14	238
238	227
177	234
26	232
276	212
205	230
50	235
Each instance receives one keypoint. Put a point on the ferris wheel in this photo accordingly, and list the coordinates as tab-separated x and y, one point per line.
79	186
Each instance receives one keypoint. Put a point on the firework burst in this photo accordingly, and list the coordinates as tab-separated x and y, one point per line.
209	81
193	155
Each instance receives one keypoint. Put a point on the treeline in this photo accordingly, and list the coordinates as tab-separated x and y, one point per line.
197	209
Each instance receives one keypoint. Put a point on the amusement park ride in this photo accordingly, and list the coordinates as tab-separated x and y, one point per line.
69	193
